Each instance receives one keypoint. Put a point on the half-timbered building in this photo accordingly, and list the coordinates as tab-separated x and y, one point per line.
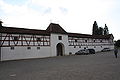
21	43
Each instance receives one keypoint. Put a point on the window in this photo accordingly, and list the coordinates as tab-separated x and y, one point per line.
75	40
38	39
85	40
79	46
94	40
38	48
94	46
12	48
74	46
59	37
28	47
16	38
38	44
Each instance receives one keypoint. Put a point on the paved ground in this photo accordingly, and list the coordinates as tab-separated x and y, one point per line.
101	66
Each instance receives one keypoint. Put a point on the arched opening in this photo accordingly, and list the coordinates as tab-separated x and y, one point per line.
60	49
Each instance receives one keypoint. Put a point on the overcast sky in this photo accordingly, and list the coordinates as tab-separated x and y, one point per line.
75	16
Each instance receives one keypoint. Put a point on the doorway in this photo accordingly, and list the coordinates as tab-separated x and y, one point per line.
60	49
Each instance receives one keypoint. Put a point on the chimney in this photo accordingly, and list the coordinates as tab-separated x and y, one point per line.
1	23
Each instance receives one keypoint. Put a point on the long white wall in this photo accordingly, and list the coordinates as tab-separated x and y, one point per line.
73	49
21	52
24	53
76	44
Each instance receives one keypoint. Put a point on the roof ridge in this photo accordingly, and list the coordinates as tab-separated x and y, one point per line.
55	28
22	28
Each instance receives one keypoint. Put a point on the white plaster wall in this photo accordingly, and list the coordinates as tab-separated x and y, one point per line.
54	41
96	48
47	51
24	53
25	37
77	48
73	50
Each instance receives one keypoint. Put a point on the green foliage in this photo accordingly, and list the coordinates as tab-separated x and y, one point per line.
106	31
95	28
1	23
117	43
99	30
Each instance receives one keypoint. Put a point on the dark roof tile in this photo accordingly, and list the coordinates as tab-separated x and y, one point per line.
55	28
22	31
52	28
90	36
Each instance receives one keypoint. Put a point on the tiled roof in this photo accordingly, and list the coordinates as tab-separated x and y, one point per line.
103	36
55	28
22	31
90	36
52	28
79	35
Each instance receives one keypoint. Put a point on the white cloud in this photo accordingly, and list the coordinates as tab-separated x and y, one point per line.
72	15
21	15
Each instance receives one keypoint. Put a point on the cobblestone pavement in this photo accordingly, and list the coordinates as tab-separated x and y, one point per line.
99	66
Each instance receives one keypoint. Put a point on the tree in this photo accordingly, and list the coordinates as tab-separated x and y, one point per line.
106	31
95	28
117	43
100	31
1	23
